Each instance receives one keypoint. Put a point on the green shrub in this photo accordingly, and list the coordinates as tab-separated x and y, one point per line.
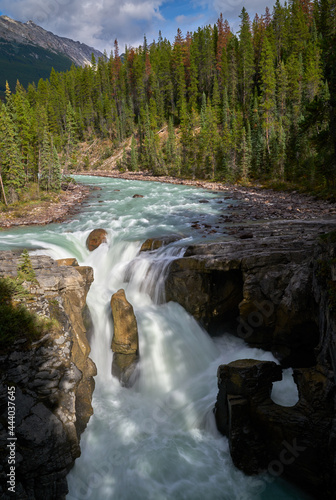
25	271
16	321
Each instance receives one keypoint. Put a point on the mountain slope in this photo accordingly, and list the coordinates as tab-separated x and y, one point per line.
28	52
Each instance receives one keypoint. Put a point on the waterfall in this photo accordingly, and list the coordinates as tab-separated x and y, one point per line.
157	440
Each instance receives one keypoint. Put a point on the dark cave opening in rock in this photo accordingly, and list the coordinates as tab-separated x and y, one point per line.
226	292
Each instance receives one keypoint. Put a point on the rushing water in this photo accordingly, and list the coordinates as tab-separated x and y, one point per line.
157	440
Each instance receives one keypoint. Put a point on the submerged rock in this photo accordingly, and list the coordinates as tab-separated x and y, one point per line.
155	243
96	238
125	342
124	368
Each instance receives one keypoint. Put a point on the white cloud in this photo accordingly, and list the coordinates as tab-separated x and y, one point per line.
96	23
232	8
182	19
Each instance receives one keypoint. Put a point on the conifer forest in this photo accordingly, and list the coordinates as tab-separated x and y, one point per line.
237	107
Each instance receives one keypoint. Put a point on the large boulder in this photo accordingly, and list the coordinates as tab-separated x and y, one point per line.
125	342
96	238
125	338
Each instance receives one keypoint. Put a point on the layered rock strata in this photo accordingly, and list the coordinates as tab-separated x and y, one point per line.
52	377
260	288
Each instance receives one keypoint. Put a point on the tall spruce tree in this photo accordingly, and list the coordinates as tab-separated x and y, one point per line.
11	165
246	59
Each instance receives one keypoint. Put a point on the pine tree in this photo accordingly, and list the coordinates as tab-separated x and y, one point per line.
70	132
55	171
268	86
134	155
171	150
313	67
245	153
11	166
246	59
46	161
281	88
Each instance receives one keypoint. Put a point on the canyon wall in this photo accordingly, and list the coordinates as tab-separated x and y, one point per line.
48	380
275	289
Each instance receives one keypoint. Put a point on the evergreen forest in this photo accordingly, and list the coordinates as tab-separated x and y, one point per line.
234	107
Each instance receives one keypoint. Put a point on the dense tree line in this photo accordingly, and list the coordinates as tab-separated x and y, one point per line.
257	104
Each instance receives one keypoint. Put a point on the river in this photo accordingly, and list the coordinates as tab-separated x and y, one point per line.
157	440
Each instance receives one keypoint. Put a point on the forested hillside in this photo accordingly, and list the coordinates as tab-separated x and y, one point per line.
30	62
251	105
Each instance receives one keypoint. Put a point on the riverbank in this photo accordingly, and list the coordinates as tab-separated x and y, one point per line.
254	203
45	211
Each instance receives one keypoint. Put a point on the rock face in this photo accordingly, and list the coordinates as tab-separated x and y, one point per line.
125	342
262	286
53	381
67	262
31	34
278	290
155	243
96	238
294	441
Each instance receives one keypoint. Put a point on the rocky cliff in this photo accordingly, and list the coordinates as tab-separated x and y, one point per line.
276	289
31	34
46	382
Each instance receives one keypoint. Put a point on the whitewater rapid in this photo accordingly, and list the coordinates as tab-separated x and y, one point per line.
157	440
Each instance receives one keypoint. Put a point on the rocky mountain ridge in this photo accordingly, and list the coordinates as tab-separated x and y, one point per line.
30	33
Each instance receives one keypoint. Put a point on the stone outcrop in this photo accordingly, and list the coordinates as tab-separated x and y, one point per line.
53	380
155	243
293	441
67	262
278	289
260	287
31	34
125	341
96	238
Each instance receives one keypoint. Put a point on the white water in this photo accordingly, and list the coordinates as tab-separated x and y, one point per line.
157	440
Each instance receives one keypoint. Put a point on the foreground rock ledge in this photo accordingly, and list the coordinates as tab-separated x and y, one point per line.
53	379
292	441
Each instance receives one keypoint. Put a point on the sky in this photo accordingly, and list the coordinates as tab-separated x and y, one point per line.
99	22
